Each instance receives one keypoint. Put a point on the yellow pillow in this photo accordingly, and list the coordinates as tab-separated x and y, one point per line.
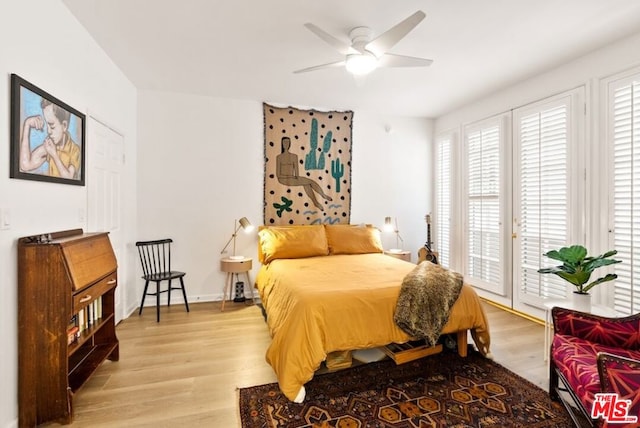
291	242
348	239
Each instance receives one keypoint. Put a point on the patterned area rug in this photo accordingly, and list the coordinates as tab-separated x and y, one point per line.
442	390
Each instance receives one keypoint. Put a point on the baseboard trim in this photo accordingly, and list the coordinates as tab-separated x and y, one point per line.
513	311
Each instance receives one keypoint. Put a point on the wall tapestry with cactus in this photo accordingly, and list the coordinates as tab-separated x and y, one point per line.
307	166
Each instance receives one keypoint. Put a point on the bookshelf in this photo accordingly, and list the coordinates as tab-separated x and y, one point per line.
66	320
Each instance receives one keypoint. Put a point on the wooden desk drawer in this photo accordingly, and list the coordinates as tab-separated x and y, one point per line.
84	297
89	259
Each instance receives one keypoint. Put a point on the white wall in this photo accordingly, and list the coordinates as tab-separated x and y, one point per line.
598	64
200	167
43	43
392	175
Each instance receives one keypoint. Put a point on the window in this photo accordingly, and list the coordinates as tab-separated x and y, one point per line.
443	200
541	194
623	130
484	232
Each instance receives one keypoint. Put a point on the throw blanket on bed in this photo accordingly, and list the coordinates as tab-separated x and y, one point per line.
426	296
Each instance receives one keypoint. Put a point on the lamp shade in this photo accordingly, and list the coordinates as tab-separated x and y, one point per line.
246	224
388	225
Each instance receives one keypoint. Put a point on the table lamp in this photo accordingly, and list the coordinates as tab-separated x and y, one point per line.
237	224
389	227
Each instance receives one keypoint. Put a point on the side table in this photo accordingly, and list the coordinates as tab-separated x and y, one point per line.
231	267
399	254
600	310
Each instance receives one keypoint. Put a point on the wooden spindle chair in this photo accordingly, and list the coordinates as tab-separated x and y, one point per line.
155	257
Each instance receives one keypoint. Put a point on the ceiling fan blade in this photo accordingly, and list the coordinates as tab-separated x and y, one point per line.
320	67
342	47
385	41
391	60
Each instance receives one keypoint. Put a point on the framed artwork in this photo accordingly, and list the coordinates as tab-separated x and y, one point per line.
47	136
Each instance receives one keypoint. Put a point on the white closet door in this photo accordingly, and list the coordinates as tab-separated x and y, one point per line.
104	181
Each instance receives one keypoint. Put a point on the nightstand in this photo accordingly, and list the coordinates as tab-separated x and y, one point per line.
235	267
399	254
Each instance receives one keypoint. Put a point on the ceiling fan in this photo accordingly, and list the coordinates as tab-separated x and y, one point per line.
364	55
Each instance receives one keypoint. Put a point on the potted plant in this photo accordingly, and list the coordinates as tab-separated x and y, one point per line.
577	267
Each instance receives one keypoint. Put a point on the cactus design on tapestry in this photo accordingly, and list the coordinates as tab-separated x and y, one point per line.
307	157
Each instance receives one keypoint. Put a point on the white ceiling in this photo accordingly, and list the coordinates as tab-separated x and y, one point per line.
248	49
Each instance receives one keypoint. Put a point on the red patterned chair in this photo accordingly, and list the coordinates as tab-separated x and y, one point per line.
591	354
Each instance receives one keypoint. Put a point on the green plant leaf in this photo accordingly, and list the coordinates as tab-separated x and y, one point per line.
606	278
569	268
598	262
572	278
573	254
555	255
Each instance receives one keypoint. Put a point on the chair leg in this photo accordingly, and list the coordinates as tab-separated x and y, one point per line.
169	294
553	381
144	294
157	301
184	294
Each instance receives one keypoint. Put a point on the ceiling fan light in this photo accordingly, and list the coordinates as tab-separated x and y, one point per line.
360	64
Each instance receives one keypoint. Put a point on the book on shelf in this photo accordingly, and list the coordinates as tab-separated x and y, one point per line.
99	307
72	334
81	322
89	315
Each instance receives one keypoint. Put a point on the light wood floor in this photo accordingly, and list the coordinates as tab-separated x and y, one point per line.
185	370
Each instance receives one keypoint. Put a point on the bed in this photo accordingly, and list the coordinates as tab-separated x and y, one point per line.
331	288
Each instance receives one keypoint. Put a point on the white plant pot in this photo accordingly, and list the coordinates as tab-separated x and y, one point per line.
582	302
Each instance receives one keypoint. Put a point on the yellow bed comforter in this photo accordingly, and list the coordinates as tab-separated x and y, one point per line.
318	305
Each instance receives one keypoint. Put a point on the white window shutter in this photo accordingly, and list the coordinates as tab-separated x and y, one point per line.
443	200
542	187
624	135
484	264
